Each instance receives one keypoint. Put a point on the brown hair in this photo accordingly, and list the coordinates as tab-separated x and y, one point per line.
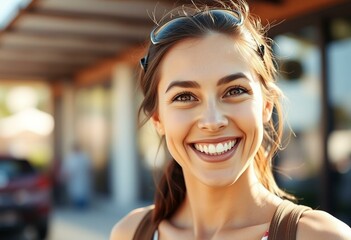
249	36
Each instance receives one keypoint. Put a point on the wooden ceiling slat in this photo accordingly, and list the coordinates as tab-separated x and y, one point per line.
24	41
85	27
78	36
37	61
145	21
22	66
26	76
21	78
129	10
33	75
46	57
98	55
31	72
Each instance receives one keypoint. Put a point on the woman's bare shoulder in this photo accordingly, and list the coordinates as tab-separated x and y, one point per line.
126	227
321	225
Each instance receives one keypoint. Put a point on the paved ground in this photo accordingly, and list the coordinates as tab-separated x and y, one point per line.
66	223
92	224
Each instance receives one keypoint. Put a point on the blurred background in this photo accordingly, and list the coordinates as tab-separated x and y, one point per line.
68	111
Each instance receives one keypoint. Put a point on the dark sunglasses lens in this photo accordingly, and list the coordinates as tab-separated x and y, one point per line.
218	17
226	16
165	31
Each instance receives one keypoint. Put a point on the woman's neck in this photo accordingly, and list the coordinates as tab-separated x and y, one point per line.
210	209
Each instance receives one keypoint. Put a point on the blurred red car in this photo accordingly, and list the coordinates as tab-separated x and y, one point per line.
25	197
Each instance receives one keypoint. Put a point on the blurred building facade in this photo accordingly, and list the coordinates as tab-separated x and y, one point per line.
86	57
313	53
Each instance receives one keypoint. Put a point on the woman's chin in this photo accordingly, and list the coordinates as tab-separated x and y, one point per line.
218	180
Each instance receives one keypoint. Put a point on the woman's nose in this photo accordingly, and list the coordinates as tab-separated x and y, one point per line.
212	119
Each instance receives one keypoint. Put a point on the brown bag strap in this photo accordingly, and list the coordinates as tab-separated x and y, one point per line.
285	220
146	228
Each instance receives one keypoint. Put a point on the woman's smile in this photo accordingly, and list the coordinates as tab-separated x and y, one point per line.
216	150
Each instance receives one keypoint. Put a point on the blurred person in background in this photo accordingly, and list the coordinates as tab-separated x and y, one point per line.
76	176
209	84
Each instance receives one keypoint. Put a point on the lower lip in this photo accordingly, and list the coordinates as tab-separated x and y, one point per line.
217	158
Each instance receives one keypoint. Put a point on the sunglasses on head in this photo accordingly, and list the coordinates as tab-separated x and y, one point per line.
163	32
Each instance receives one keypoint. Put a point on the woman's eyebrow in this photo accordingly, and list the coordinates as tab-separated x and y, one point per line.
194	84
184	84
231	77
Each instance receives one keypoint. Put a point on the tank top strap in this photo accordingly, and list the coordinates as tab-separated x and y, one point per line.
155	235
285	220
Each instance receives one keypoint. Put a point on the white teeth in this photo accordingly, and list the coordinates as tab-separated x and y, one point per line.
211	149
201	148
215	149
226	147
219	148
205	149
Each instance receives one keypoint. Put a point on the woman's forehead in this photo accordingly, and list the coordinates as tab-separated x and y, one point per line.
213	55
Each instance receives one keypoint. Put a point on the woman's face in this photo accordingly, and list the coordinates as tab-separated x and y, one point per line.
211	109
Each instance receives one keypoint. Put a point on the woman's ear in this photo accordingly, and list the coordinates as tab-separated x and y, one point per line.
158	124
267	111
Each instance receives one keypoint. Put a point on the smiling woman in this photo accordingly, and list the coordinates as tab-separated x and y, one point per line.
209	85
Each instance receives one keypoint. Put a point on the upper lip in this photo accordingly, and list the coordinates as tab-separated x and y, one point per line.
214	140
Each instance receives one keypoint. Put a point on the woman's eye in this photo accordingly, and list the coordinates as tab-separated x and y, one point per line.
235	91
184	97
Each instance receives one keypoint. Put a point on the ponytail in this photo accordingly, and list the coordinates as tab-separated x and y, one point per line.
170	192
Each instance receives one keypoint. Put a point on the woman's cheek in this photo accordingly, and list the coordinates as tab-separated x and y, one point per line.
178	119
250	111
